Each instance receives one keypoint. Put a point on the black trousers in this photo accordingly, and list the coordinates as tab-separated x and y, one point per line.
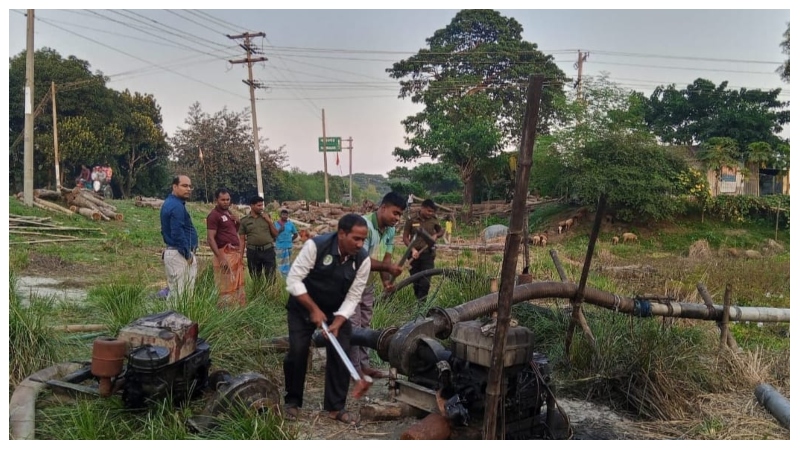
337	377
424	262
261	262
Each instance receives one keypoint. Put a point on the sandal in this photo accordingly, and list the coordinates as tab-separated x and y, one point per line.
343	416
292	412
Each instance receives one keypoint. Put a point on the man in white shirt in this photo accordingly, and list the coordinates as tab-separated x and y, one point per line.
325	283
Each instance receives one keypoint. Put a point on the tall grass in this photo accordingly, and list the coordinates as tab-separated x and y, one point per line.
106	419
652	370
32	343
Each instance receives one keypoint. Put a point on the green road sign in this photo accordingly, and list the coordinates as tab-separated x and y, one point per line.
332	144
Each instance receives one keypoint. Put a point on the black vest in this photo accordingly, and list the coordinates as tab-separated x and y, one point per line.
329	281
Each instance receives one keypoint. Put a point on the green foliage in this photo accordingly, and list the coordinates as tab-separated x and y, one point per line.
225	140
603	148
745	208
638	176
433	178
549	172
297	185
452	198
96	125
783	70
702	111
405	187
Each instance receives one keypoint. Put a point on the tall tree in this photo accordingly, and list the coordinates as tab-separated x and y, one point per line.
217	151
83	109
144	144
783	70
471	81
703	110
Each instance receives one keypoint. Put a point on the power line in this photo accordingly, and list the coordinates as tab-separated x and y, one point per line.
166	28
688	58
235	27
139	29
314	107
696	69
149	62
188	19
212	21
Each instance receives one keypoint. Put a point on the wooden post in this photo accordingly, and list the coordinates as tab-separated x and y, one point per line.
55	136
726	314
557	263
494	384
577	301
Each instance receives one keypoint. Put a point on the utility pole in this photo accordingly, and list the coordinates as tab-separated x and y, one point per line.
27	183
55	136
325	155
253	85
350	148
579	65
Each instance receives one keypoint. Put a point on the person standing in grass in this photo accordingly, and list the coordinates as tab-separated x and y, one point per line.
380	245
222	237
257	235
287	233
180	236
422	254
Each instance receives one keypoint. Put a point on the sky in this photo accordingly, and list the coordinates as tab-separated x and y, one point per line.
336	61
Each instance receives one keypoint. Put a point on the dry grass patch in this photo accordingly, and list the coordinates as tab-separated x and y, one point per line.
700	250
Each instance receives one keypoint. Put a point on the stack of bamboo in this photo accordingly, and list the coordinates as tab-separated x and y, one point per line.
41	230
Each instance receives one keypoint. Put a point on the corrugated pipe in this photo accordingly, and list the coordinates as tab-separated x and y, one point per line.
22	407
774	402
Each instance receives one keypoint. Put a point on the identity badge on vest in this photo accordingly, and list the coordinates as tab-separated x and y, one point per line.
327	260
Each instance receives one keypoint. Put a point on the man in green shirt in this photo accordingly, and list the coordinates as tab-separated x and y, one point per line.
380	245
257	235
422	255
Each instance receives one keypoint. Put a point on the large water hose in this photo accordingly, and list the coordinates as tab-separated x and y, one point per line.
22	407
633	306
774	402
440	322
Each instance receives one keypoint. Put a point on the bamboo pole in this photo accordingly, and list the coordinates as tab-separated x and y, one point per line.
725	337
46	208
52	205
47	241
33	233
577	313
63	228
79	328
494	383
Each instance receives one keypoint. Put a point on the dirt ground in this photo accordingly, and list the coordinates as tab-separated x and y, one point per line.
589	421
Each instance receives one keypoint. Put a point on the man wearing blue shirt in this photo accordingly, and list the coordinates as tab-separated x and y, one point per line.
287	233
180	236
